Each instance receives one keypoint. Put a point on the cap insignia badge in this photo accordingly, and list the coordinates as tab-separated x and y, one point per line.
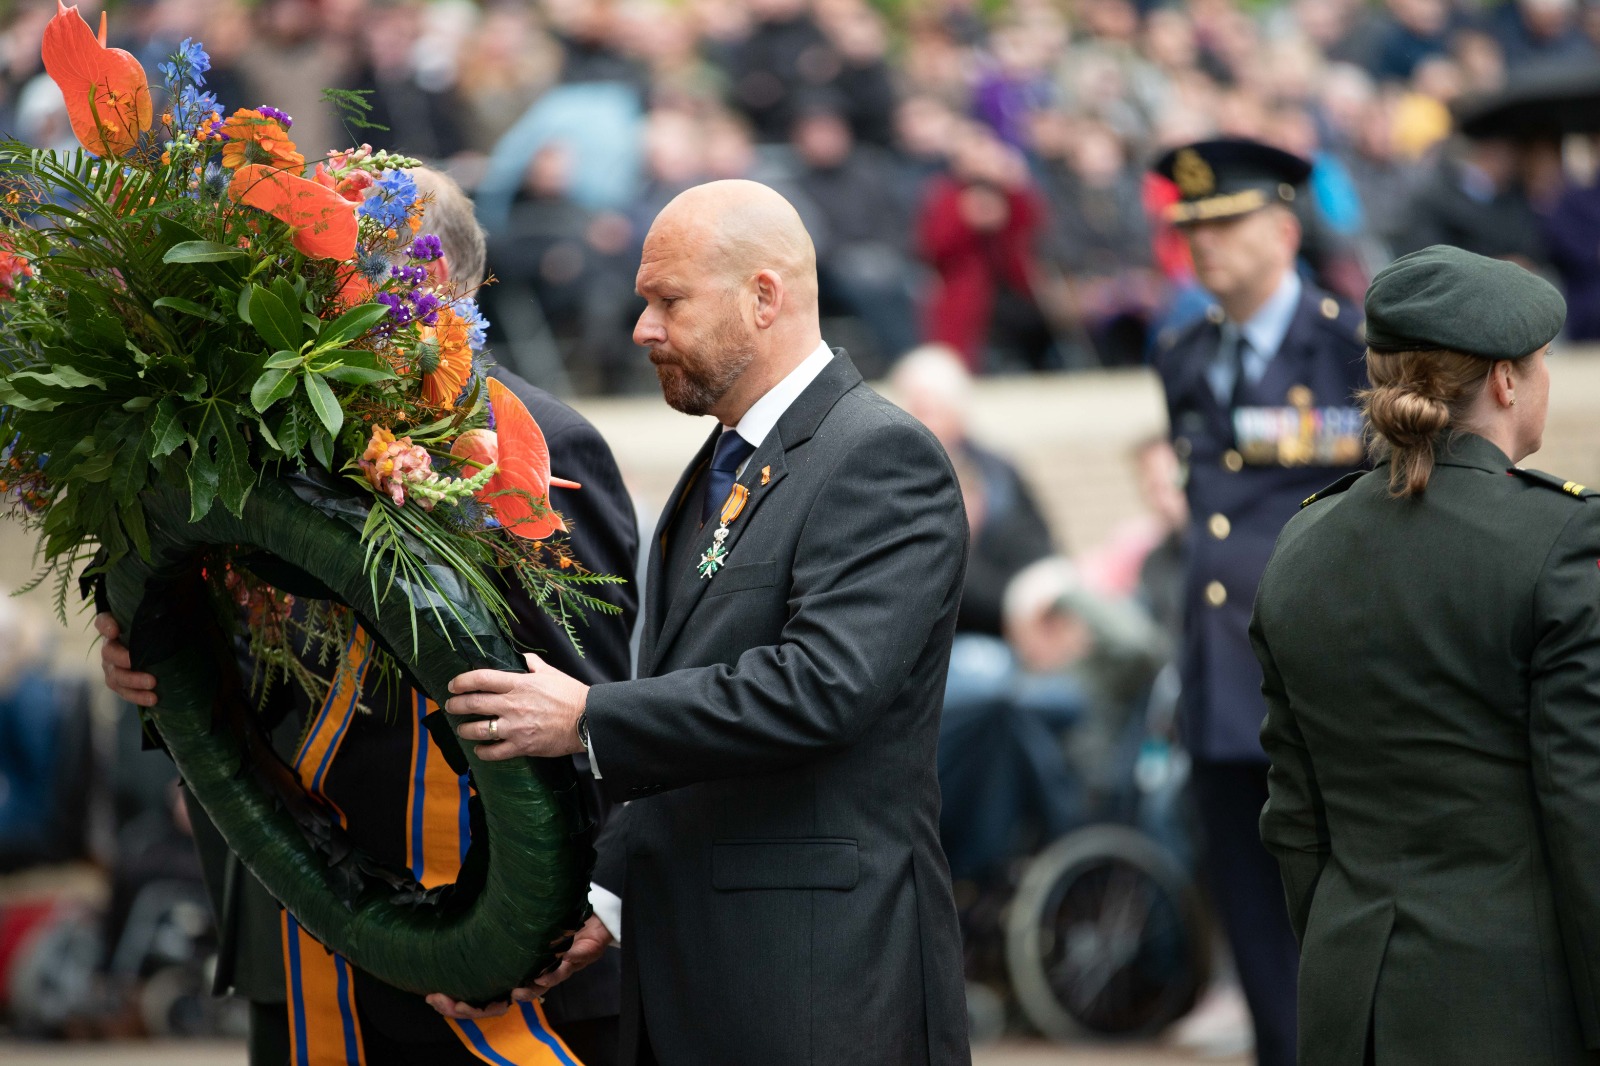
1193	175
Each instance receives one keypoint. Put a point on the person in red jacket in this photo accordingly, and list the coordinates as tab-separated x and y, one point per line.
977	230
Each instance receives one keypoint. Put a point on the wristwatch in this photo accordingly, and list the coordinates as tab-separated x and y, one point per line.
583	730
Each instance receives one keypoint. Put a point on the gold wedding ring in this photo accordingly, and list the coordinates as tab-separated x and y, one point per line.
494	729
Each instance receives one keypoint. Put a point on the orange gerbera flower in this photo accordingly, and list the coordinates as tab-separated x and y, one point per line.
255	138
446	357
324	222
105	89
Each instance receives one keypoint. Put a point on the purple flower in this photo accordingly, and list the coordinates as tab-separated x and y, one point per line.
426	248
271	112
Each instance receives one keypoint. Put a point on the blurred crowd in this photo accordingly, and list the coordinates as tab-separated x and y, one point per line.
973	173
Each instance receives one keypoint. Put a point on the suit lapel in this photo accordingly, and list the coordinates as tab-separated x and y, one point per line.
768	463
658	575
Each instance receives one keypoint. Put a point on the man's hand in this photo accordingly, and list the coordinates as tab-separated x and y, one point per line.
121	678
588	944
529	714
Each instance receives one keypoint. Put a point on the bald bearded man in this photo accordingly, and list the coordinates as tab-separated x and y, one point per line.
785	899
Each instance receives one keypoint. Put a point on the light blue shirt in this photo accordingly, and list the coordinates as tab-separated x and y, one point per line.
1264	333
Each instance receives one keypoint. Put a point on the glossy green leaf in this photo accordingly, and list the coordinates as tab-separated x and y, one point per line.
188	307
278	325
201	252
324	403
273	385
354	323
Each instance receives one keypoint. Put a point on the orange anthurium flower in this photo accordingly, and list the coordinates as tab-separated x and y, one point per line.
107	93
524	469
324	222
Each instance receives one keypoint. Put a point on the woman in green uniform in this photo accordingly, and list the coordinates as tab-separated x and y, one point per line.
1429	635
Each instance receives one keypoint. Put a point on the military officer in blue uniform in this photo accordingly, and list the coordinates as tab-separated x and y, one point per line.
1260	394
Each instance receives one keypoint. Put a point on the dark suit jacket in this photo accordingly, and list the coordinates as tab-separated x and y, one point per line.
1239	501
364	782
786	897
1432	681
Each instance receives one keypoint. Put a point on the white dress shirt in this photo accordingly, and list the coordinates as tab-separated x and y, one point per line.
754	427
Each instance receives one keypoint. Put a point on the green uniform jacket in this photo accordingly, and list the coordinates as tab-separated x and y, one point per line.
1432	675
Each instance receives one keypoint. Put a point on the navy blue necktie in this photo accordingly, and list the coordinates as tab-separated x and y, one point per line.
731	450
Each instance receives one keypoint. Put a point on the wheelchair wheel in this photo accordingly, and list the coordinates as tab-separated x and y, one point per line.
1105	937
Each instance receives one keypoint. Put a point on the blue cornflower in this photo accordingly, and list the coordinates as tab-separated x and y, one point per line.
391	199
193	107
426	248
466	309
188	64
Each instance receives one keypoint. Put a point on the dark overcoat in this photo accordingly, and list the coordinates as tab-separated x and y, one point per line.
1250	463
1432	677
786	900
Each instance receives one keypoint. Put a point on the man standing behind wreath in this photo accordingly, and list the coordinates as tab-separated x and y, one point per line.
786	900
401	803
1260	397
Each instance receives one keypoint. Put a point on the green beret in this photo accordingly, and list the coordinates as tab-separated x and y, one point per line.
1444	297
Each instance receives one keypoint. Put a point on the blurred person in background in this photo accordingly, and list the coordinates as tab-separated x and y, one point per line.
1475	198
860	227
1415	30
1009	530
572	265
1099	239
1143	557
864	80
1260	401
1540	31
506	64
978	228
1572	239
785	54
294	50
416	103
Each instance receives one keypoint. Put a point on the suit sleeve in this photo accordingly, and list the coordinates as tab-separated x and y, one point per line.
878	564
1293	824
1564	740
605	539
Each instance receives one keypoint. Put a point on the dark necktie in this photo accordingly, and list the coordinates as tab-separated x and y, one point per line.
731	450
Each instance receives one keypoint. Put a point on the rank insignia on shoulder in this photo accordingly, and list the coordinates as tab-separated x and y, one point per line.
1550	481
1334	489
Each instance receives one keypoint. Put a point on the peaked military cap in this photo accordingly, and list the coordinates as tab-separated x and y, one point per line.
1444	297
1229	177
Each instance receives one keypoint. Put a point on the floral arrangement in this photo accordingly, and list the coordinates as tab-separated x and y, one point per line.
187	306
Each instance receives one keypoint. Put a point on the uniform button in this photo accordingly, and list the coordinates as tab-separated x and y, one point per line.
1216	595
1232	460
1220	526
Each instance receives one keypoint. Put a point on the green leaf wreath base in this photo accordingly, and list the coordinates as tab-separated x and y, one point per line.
516	900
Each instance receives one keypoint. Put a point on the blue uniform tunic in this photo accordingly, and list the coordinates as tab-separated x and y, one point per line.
1250	463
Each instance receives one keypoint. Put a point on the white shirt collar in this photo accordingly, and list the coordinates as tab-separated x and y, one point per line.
765	412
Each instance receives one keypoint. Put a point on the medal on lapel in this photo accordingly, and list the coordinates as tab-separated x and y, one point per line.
715	556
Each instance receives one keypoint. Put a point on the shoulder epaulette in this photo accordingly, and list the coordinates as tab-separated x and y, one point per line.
1334	489
1550	481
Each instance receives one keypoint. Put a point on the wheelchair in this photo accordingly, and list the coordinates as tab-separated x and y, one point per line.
1072	862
